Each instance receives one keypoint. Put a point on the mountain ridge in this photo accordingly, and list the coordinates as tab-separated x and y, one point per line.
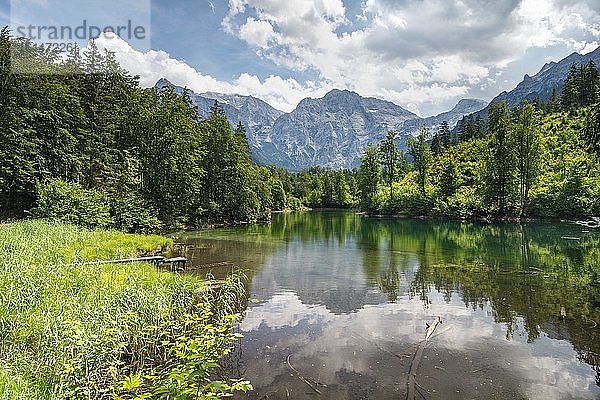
330	131
551	76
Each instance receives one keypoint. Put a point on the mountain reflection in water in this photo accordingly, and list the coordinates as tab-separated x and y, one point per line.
347	298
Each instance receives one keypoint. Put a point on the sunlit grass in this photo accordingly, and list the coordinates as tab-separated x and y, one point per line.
72	331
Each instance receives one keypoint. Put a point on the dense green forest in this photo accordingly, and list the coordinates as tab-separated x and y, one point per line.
81	141
538	160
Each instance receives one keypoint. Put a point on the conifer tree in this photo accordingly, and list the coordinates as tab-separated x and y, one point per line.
419	150
500	162
445	134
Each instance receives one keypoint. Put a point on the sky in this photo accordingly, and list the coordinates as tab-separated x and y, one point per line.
423	55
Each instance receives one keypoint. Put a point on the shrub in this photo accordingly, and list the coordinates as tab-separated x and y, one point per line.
70	202
132	214
408	200
464	203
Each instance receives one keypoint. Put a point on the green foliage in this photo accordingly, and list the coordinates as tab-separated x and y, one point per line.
390	160
103	331
591	133
581	86
321	187
197	351
369	176
409	199
528	150
500	161
131	213
469	128
420	152
71	203
529	164
141	154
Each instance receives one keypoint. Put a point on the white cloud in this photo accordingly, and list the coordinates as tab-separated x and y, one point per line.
588	47
432	49
423	55
350	341
283	94
257	33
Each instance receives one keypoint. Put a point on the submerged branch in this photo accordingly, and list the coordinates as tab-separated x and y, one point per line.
411	384
299	375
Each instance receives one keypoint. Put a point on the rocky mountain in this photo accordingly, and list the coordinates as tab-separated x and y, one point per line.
331	131
551	76
257	116
334	130
462	108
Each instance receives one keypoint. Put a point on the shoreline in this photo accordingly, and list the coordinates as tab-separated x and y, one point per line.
593	221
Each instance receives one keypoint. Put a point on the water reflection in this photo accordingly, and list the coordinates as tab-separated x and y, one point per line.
347	299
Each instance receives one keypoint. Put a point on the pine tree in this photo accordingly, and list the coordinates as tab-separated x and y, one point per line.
421	154
570	93
590	84
591	133
462	130
479	127
369	175
390	157
217	110
436	144
240	136
445	134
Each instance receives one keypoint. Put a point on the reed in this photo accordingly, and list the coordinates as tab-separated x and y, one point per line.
77	331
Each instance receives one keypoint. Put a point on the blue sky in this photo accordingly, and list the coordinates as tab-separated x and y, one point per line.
424	55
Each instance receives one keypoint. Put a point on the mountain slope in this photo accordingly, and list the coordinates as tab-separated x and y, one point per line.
256	115
334	130
462	108
551	76
331	131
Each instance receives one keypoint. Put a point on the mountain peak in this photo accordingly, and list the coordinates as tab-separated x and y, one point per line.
162	83
341	92
464	104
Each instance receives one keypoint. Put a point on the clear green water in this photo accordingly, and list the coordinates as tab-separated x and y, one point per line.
347	299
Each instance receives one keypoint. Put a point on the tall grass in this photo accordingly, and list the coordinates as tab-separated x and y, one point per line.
75	331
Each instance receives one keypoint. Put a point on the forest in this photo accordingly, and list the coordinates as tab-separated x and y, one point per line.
538	160
81	141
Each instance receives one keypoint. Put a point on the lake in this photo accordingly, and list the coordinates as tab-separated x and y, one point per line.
338	305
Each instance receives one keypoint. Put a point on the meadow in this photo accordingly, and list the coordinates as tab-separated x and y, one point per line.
90	331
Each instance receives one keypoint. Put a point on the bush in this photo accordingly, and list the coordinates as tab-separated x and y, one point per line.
294	203
408	200
568	198
70	202
132	214
464	203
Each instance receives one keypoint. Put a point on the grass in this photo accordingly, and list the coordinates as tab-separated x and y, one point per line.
76	331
